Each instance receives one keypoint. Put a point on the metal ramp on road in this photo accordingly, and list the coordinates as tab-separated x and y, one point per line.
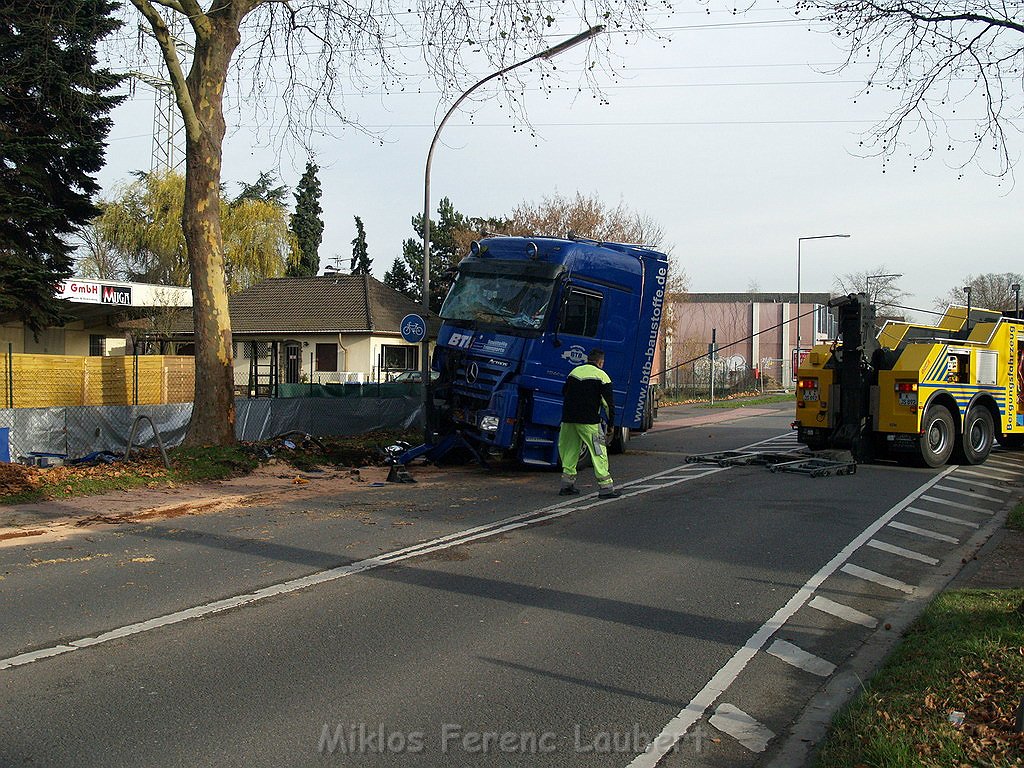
814	466
739	458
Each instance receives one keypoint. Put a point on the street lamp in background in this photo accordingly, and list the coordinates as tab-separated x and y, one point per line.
799	296
1016	299
548	53
967	320
869	278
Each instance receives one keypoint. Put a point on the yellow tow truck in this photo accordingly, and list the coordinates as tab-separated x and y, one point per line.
922	394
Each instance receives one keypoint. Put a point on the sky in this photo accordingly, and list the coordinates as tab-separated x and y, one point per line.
737	136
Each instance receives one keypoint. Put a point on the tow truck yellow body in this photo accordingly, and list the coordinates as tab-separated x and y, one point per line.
919	393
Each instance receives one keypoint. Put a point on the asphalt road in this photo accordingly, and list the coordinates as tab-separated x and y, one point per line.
700	612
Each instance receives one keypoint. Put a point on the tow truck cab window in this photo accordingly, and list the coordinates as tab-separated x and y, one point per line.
582	310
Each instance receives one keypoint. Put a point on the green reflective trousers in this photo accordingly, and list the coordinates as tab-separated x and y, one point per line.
570	438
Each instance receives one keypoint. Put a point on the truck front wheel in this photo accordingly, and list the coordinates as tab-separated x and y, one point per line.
937	436
620	439
975	444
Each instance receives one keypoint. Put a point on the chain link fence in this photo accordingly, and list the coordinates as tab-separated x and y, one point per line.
72	432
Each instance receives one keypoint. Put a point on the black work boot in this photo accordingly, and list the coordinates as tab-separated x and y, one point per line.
568	490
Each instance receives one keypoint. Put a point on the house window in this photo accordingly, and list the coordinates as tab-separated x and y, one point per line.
261	349
581	313
97	345
825	324
327	357
399	357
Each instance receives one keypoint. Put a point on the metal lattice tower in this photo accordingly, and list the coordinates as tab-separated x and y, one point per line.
168	131
168	128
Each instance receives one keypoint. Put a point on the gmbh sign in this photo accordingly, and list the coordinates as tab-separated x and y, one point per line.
88	292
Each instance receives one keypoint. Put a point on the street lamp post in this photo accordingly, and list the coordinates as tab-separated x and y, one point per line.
869	278
1016	299
799	296
967	320
548	53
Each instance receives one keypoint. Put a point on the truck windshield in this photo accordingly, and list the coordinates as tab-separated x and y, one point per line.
511	300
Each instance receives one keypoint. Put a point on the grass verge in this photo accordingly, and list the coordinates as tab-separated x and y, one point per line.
1015	519
964	655
743	402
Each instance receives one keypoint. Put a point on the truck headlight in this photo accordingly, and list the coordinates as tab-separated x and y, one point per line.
489	423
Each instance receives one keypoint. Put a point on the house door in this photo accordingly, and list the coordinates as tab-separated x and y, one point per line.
292	362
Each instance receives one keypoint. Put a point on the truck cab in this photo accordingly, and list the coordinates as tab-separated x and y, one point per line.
521	314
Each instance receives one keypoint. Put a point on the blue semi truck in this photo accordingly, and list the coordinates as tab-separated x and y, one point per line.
521	314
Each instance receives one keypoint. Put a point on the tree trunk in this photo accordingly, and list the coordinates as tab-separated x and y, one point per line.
213	412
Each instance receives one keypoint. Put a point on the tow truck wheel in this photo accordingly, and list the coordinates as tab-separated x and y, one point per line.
975	444
937	438
620	439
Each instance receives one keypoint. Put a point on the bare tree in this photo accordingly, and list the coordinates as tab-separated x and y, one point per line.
585	216
880	284
989	291
97	257
941	57
300	50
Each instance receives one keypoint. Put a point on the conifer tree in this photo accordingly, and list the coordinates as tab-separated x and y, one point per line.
400	278
307	224
53	125
361	261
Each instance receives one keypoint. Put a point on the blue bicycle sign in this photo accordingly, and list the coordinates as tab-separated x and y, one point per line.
414	329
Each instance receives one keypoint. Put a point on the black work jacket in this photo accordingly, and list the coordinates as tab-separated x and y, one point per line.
584	392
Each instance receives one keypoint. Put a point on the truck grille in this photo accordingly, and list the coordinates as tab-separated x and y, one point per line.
478	379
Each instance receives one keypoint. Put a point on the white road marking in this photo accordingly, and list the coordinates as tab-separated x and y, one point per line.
742	727
910	554
1011	474
972	494
678	726
484	531
844	612
924	532
943	518
958	505
975	484
1004	462
877	578
801	659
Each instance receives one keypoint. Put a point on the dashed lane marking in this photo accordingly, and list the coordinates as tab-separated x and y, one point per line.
971	494
877	578
923	532
1004	462
676	728
909	554
958	505
976	484
746	730
943	518
801	659
844	612
993	473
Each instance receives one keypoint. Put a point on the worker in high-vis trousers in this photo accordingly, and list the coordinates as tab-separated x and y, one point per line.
585	391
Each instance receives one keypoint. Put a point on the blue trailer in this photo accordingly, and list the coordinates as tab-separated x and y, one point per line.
521	314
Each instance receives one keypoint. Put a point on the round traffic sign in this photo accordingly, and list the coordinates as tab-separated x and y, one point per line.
414	329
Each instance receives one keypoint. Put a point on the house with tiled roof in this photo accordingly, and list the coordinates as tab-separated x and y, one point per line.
325	329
